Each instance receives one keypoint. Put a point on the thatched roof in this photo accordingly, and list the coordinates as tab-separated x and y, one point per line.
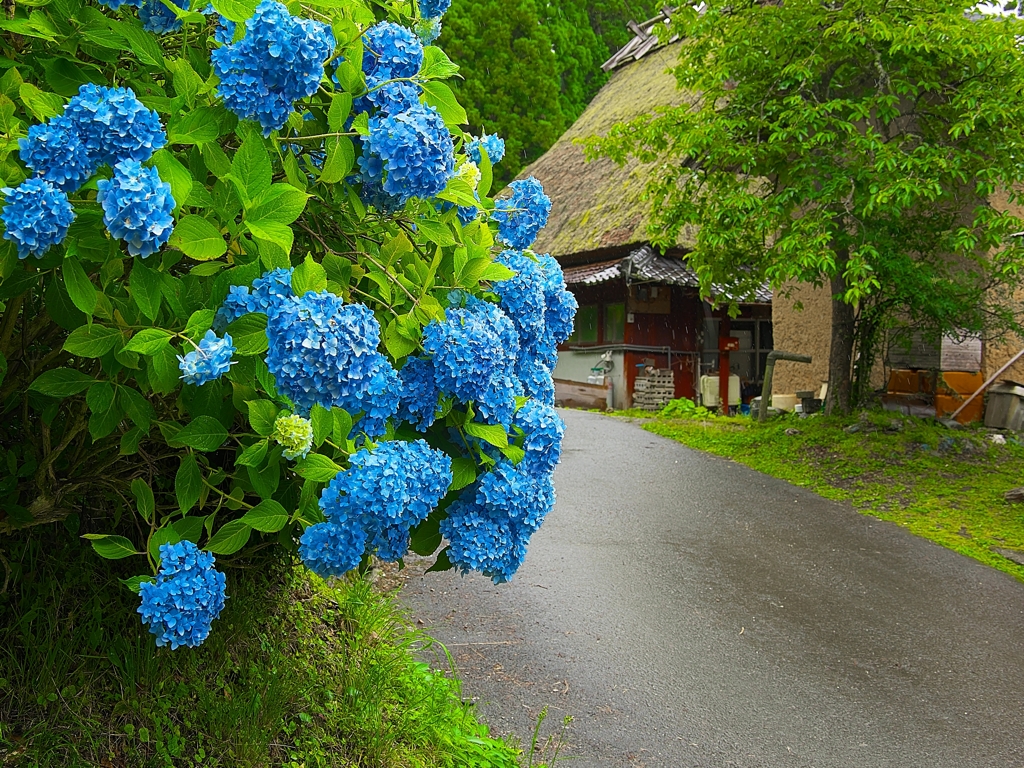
596	206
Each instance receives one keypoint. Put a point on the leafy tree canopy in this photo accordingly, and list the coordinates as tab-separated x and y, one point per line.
852	144
531	68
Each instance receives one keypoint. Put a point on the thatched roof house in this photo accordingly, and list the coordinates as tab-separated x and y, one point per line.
642	329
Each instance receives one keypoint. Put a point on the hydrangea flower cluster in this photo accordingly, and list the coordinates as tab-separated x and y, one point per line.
325	351
474	354
332	548
434	9
36	215
493	144
521	216
157	17
186	597
561	305
396	484
420	393
543	429
99	125
411	152
279	61
137	207
374	503
390	52
55	152
266	295
294	434
210	360
489	525
113	125
542	311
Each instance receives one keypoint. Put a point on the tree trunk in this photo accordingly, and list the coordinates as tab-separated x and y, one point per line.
840	358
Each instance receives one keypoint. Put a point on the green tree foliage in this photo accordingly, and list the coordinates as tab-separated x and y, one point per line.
852	144
530	69
511	85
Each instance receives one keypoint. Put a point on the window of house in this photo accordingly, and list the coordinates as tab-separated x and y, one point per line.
614	323
585	330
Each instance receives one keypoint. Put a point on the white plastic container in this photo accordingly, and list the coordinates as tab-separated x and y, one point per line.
709	388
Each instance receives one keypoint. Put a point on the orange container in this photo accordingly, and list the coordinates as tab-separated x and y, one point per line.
903	382
906	382
959	382
945	405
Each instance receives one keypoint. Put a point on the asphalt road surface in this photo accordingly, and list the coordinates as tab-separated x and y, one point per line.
687	611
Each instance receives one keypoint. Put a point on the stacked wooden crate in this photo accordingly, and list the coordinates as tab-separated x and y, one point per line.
653	390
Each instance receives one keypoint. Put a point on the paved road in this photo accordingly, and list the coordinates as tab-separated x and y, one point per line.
688	611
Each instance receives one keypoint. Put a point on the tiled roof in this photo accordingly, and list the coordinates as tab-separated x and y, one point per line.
644	265
591	274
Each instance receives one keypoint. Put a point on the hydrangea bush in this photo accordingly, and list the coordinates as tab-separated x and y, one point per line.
256	291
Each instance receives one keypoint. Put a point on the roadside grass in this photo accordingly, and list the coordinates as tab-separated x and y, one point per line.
296	673
945	485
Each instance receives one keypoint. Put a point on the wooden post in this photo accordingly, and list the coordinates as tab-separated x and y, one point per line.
769	371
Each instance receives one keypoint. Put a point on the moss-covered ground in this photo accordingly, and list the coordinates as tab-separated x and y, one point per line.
944	484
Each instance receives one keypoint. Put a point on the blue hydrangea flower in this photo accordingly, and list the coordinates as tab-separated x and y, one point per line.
36	215
294	434
279	61
137	207
412	152
479	540
521	216
378	399
389	98
333	548
391	543
157	17
114	125
474	353
325	351
396	484
266	295
522	296
467	214
490	524
390	52
225	31
512	493
186	597
385	492
535	373
544	429
209	361
492	143
420	393
434	9
54	151
561	304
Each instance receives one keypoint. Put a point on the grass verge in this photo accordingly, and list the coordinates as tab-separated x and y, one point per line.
945	485
296	673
